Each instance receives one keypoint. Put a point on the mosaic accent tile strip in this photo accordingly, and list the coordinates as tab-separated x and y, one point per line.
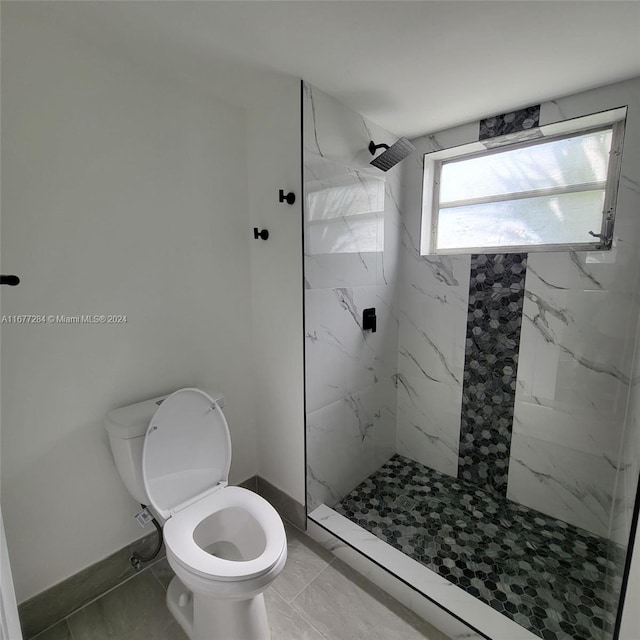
496	297
508	123
558	581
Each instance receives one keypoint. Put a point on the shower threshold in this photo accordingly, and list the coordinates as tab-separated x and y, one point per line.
505	570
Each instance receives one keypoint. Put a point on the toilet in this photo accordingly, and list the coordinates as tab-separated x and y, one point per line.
225	544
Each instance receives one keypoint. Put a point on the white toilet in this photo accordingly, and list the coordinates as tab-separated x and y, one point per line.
225	544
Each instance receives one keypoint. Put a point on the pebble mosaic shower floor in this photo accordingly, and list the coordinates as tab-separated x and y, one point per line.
558	581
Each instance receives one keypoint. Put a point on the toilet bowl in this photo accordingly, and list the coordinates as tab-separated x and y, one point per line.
225	544
226	549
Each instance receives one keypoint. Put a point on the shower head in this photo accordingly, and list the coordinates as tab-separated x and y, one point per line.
392	154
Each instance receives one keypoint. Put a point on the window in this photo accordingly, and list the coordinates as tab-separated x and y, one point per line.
553	192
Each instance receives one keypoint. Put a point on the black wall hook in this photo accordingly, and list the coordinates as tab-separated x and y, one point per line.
12	281
289	198
264	234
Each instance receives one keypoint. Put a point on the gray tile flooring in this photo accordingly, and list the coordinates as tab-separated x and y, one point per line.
558	581
316	597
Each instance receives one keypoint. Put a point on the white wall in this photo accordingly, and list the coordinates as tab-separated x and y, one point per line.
273	134
9	620
122	194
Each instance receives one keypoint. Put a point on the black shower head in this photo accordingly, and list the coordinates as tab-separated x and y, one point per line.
392	154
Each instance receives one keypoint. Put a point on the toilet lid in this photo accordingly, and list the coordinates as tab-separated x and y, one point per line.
186	452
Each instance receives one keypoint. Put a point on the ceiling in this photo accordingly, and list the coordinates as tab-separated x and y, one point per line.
410	66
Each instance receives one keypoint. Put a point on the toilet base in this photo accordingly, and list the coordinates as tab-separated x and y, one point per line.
180	604
206	618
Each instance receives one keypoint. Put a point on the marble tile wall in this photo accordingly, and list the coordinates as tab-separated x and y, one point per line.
577	337
573	385
629	468
400	389
352	230
433	295
576	356
575	441
431	363
628	474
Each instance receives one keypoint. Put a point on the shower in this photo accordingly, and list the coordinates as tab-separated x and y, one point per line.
488	480
392	155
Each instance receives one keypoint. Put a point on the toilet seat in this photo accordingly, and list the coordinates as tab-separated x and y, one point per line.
187	451
179	536
185	466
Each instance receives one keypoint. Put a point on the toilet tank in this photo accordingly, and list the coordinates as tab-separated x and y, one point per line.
127	427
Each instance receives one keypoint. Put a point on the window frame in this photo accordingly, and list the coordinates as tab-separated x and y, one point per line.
613	120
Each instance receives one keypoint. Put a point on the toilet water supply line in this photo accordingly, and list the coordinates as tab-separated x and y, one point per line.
136	559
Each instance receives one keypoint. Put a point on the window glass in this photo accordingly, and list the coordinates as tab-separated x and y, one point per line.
577	160
545	220
556	191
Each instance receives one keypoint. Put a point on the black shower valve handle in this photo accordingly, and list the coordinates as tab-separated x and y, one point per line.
263	235
369	319
289	198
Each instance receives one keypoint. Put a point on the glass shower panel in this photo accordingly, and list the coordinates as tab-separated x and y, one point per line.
345	214
479	432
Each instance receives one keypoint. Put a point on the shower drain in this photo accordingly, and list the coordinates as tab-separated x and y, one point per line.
404	502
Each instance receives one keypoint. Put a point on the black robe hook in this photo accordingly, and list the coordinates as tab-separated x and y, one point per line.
289	198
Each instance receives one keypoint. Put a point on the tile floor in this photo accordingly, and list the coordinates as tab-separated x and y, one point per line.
316	597
558	581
